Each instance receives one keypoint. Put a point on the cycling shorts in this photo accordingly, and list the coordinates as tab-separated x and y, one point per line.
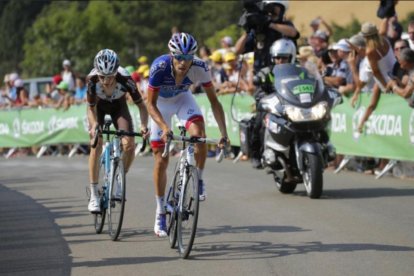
118	109
184	106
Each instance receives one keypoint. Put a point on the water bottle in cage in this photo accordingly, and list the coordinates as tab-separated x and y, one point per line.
190	155
116	147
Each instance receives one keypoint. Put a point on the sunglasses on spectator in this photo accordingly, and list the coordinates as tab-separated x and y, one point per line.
184	57
103	78
399	48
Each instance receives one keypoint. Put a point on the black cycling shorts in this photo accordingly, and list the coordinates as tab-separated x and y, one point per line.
118	109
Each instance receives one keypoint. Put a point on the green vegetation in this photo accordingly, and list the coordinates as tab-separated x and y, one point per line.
36	36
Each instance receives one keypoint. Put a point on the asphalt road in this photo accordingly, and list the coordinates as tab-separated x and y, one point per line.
360	226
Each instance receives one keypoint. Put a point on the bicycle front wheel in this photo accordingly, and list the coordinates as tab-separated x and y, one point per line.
188	215
99	218
172	202
116	200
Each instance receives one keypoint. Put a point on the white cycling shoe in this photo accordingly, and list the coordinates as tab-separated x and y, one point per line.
202	194
94	205
160	226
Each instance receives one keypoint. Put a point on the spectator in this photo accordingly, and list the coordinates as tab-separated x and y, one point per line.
218	74
226	46
204	54
379	53
319	42
22	98
64	96
405	87
307	59
316	23
336	73
80	92
234	77
68	75
10	92
142	65
52	94
410	32
144	84
359	65
391	29
399	45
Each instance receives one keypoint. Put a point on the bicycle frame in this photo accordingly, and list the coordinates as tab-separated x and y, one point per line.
109	162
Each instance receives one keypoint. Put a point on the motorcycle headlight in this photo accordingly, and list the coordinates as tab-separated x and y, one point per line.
314	113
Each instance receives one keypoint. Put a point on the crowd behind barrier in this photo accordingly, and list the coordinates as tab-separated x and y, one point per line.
52	119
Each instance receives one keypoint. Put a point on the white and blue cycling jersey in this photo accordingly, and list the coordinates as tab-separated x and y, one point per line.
175	99
162	78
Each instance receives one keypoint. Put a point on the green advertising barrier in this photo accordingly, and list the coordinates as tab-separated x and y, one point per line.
388	133
30	127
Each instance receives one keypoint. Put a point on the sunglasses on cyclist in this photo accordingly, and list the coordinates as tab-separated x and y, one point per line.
184	57
103	78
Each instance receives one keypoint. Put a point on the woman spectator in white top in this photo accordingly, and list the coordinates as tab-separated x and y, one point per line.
379	53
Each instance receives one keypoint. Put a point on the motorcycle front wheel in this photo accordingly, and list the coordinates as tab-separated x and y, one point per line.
283	186
313	175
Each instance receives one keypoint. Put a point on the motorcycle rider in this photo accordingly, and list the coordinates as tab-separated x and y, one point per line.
282	51
259	39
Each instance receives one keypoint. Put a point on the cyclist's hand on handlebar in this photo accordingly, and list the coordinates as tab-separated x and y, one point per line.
93	129
165	134
224	143
145	132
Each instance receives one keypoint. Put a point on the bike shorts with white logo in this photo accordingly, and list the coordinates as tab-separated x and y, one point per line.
184	106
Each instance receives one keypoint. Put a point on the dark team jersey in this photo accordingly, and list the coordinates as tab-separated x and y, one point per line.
124	84
260	44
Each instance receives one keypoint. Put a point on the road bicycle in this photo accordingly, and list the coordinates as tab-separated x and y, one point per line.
113	184
182	201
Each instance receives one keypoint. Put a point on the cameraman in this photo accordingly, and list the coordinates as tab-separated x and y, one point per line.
264	23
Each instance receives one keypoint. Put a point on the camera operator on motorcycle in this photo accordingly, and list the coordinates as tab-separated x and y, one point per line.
264	24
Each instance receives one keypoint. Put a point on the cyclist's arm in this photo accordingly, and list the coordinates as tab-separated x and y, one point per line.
153	110
91	112
137	99
217	109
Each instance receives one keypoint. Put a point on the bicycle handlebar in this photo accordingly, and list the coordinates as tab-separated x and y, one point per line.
117	133
193	140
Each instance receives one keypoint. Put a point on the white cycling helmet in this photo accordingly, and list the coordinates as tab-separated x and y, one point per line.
284	48
106	62
182	44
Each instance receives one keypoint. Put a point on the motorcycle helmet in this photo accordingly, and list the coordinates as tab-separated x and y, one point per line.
284	48
268	7
106	62
182	44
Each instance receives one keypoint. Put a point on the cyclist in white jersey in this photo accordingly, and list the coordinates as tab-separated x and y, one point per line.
108	84
168	93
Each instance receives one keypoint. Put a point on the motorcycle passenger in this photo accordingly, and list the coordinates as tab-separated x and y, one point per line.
258	39
282	51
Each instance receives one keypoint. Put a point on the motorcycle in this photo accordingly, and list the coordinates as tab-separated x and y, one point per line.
296	144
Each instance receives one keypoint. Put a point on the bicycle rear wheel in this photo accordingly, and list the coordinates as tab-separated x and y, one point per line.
117	200
187	218
99	218
172	201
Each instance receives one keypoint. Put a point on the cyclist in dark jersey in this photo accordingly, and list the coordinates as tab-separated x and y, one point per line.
108	84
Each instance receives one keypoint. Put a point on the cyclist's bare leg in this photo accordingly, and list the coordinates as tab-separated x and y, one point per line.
197	129
160	171
128	155
94	162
